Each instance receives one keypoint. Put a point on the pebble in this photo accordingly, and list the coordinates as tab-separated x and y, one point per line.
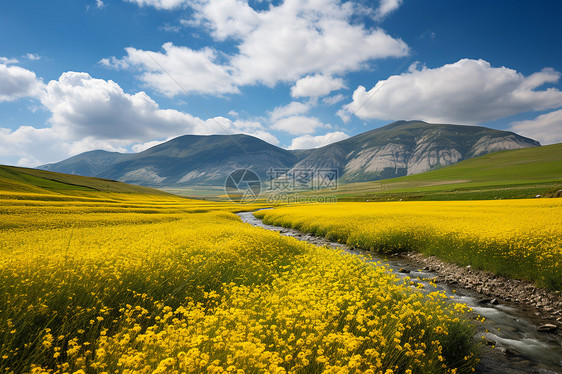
546	304
547	327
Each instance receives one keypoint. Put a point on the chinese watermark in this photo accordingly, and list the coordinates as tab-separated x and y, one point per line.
283	185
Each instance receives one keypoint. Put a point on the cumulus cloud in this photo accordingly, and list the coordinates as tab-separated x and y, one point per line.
331	100
280	44
178	69
309	141
17	82
297	125
160	4
288	110
144	146
28	146
386	7
546	128
8	61
316	85
83	106
467	92
89	113
226	18
32	57
298	38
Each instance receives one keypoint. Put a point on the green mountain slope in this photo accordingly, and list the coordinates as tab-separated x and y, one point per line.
398	149
507	174
17	179
529	164
409	147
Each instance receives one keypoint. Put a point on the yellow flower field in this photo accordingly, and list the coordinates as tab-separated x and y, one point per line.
116	283
517	238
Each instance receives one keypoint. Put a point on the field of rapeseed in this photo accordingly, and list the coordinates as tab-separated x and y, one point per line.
517	238
117	283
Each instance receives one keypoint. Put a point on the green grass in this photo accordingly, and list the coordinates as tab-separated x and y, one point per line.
17	179
516	174
522	173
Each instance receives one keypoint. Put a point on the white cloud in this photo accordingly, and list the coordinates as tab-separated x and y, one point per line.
280	44
298	38
546	128
8	61
226	18
297	125
288	110
27	145
309	141
160	4
316	85
90	113
264	135
467	92
144	146
17	82
253	128
331	100
170	28
32	57
83	106
100	4
115	63
178	69
386	7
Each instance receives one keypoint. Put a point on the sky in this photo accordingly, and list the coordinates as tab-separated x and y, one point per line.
125	75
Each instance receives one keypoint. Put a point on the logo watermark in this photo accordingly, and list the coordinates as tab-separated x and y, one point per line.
243	186
283	185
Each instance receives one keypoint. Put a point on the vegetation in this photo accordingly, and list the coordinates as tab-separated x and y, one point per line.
517	174
517	238
107	282
16	179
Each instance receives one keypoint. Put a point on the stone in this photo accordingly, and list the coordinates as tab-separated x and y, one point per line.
547	327
501	349
484	301
511	352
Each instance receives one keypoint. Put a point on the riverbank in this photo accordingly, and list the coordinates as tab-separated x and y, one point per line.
512	342
544	304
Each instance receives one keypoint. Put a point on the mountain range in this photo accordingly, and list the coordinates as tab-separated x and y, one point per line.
398	149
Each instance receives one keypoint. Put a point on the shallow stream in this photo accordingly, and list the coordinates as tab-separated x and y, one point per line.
519	347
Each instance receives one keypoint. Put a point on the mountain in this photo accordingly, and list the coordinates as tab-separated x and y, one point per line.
186	160
520	174
24	180
90	163
409	147
398	149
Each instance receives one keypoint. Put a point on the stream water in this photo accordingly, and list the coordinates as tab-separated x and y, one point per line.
519	347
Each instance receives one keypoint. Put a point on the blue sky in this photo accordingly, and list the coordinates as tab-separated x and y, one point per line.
123	75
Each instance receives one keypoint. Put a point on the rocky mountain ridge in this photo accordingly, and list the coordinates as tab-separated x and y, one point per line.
400	148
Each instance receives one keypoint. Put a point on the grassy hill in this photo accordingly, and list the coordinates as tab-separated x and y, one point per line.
519	173
17	179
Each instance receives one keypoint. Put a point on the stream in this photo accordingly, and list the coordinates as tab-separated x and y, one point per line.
519	347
